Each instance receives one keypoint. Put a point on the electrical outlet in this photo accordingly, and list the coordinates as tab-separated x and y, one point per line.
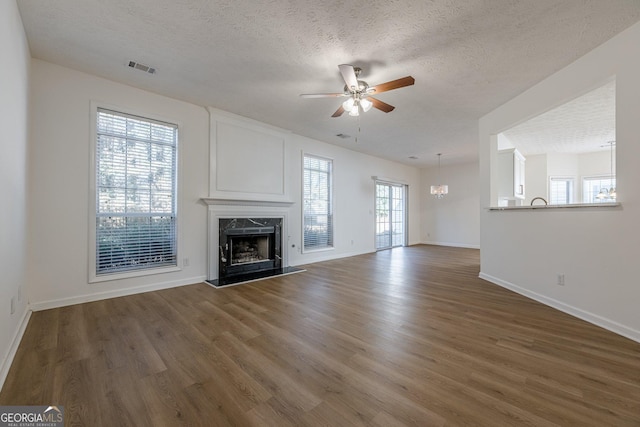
185	262
560	279
13	305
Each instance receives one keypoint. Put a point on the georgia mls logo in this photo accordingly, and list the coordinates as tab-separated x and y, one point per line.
54	411
31	416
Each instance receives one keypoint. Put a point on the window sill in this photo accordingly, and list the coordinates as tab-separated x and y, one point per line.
132	274
324	249
570	206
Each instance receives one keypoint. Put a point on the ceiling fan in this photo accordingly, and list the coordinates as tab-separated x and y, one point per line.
360	93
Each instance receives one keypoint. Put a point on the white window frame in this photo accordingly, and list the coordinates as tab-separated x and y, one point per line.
331	206
572	190
92	261
405	196
597	178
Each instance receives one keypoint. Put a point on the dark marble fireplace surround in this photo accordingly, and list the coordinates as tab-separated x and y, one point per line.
249	249
249	245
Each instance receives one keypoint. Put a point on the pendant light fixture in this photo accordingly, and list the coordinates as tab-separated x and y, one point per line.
439	190
611	192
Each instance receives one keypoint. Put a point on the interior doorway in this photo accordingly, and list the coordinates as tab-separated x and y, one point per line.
391	221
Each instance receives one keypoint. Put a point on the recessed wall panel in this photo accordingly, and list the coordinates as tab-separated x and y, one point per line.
248	161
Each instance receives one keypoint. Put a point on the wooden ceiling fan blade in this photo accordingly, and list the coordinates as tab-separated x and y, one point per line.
382	106
394	84
338	112
349	75
321	95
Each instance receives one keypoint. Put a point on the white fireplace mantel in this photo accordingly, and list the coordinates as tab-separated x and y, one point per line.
242	208
247	202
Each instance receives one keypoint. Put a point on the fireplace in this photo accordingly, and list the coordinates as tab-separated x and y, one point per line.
248	247
247	241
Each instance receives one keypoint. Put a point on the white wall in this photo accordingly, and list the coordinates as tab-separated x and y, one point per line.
14	101
59	185
579	166
234	142
353	191
596	164
540	168
525	250
59	191
453	220
559	164
535	181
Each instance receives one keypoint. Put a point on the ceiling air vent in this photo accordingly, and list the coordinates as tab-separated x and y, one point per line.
142	67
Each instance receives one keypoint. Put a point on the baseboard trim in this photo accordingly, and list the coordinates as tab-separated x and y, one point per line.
63	302
327	256
13	348
595	319
454	245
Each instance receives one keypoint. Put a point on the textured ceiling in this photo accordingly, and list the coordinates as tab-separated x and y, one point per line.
254	58
582	125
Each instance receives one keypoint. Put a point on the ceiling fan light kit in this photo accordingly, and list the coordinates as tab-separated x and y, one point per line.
354	104
366	104
359	92
349	104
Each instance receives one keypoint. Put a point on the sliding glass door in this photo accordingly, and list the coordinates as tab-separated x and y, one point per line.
390	215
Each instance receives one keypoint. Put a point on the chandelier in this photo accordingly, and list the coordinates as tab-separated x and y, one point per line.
439	190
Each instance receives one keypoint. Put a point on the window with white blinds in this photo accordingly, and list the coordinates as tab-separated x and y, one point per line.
317	203
560	190
135	170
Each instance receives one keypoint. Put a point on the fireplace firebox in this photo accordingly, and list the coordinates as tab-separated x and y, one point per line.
249	247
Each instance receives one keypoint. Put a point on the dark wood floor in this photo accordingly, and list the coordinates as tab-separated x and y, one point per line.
403	337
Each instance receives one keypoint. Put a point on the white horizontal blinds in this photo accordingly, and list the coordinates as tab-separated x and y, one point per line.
135	193
560	191
318	210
